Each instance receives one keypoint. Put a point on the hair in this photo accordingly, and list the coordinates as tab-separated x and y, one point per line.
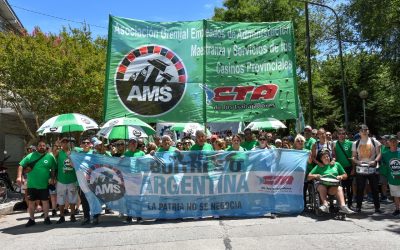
299	137
221	143
166	137
151	146
323	152
200	132
341	130
237	136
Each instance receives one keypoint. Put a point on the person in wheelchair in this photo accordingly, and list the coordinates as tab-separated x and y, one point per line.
328	177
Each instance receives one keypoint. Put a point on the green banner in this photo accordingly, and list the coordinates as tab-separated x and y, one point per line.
200	71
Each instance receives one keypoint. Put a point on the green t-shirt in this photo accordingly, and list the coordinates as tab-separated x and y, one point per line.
249	145
171	149
205	147
341	157
391	167
65	171
329	170
136	153
309	142
39	176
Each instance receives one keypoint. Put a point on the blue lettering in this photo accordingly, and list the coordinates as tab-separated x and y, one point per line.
171	185
159	182
185	185
229	184
199	185
242	186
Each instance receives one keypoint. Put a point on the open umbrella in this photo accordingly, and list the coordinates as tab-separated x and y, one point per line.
268	123
125	128
122	132
188	127
65	123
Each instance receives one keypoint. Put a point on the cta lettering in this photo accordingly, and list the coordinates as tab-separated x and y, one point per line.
239	93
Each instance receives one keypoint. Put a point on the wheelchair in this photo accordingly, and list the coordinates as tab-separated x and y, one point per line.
314	202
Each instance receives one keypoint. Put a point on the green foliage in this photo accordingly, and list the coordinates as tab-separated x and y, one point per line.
53	74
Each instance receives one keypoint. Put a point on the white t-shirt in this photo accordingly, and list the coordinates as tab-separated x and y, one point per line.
366	150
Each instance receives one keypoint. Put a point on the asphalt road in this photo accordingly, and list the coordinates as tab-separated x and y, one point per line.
360	231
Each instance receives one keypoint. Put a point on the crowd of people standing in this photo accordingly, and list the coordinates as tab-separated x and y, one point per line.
51	180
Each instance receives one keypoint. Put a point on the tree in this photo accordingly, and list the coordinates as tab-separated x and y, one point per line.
52	74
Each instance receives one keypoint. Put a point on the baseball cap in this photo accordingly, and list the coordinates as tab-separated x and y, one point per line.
133	139
308	127
363	126
68	139
392	137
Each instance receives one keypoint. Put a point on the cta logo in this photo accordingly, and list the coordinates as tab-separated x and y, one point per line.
151	80
240	93
276	180
106	182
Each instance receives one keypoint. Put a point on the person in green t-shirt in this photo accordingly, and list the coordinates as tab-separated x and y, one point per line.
67	188
249	142
166	144
335	172
341	151
133	151
201	142
309	139
391	169
40	166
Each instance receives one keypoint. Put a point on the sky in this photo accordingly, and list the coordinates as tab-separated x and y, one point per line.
96	12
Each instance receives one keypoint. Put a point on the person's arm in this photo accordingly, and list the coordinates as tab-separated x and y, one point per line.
19	176
312	175
342	174
378	155
314	155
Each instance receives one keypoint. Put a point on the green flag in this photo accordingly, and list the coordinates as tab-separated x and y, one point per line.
200	71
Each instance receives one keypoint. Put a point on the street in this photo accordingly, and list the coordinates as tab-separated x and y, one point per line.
360	231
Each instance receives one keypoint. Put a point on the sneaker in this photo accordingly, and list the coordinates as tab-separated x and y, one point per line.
384	198
42	215
66	211
85	221
30	223
61	220
396	212
346	210
72	218
95	221
324	208
129	219
47	221
378	211
77	211
53	213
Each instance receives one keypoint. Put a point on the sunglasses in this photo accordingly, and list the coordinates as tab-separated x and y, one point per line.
86	142
262	139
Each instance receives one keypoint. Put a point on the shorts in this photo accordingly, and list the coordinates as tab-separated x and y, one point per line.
52	189
67	191
35	194
394	190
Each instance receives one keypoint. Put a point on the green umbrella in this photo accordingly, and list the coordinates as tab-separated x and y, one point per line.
65	123
268	123
128	121
122	132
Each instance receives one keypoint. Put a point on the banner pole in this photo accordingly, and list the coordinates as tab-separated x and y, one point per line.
204	74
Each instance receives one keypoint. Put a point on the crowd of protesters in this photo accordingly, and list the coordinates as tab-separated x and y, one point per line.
48	174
